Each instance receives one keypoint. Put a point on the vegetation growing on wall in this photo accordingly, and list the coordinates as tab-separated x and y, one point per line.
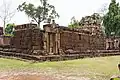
95	18
9	30
74	23
87	20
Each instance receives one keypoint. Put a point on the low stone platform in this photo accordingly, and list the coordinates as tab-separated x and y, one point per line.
7	52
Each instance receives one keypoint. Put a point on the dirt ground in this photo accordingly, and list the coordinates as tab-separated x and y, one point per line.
24	76
28	75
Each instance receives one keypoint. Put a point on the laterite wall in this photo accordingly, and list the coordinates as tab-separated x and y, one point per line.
28	37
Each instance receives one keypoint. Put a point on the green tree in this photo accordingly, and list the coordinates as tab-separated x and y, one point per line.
74	23
95	18
111	21
9	30
43	12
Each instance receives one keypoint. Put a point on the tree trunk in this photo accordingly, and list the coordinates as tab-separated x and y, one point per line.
4	27
39	22
38	25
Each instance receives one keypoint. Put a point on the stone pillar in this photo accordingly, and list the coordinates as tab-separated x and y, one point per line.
107	45
59	48
45	42
115	44
46	45
51	43
56	43
118	44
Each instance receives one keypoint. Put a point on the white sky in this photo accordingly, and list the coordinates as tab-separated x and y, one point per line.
66	9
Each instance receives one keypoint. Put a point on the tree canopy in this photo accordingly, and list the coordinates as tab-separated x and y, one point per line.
43	12
95	18
111	21
9	30
74	23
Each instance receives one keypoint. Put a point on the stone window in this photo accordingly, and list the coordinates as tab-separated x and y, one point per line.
108	45
116	41
79	36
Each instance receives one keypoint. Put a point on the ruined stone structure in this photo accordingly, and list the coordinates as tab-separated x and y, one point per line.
27	36
113	43
59	39
5	40
1	30
56	42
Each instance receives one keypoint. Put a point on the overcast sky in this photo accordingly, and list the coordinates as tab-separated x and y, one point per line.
66	9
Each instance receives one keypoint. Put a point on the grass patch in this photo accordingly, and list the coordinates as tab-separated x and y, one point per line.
94	68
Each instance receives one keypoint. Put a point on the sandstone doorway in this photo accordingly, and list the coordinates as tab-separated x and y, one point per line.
52	42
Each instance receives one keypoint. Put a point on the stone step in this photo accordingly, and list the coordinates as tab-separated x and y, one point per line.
19	55
13	53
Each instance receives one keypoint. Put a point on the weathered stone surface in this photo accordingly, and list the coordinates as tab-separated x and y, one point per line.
59	40
27	37
81	42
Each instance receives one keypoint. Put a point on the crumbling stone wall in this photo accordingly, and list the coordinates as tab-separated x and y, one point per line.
28	37
37	39
22	39
5	40
80	41
97	42
113	43
55	40
74	41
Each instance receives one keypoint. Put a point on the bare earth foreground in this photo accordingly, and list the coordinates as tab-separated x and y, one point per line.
101	68
28	75
31	75
24	76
